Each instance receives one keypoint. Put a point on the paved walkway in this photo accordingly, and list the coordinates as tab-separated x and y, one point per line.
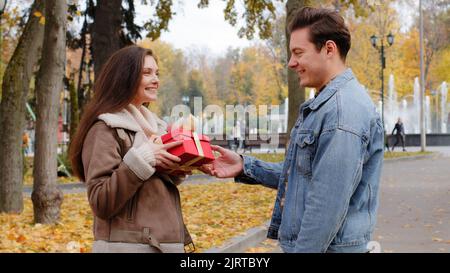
414	212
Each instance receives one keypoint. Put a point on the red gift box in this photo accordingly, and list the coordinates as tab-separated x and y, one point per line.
193	152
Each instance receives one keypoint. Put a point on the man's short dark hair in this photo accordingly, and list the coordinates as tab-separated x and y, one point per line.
324	25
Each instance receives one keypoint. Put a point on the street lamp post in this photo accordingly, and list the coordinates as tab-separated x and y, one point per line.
374	40
423	138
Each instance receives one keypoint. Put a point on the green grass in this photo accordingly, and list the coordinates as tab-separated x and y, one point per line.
271	157
389	155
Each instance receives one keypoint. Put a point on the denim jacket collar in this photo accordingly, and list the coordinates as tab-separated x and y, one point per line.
330	89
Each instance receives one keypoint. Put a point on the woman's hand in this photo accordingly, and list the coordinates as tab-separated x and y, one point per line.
154	152
163	158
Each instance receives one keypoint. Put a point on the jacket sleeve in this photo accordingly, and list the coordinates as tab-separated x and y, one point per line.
260	172
110	181
332	184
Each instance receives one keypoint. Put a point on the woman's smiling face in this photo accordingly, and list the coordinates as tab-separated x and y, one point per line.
148	88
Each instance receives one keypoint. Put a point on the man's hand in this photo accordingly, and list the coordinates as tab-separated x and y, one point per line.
228	164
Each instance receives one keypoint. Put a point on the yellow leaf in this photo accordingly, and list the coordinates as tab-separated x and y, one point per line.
37	14
42	20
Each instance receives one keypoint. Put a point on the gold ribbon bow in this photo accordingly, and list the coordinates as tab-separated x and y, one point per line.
189	125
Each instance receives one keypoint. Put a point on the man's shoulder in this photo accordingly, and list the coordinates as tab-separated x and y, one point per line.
356	109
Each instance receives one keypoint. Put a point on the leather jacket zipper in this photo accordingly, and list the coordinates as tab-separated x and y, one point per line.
131	206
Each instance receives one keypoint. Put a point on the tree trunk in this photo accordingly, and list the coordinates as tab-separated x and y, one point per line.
80	89
296	94
106	31
15	86
74	110
46	196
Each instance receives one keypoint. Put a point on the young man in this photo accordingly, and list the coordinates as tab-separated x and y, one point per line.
328	184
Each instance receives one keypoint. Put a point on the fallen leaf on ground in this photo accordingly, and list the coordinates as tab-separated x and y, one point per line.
213	213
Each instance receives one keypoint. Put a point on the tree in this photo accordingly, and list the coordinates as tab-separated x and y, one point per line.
74	111
276	46
362	57
258	15
268	72
12	25
194	87
201	60
46	196
296	93
15	87
436	19
107	33
222	75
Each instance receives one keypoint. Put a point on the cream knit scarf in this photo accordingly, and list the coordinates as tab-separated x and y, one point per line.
147	120
137	119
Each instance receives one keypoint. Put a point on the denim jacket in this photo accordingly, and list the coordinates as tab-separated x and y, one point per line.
328	184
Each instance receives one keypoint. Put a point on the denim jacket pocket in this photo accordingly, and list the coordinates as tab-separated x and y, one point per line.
305	152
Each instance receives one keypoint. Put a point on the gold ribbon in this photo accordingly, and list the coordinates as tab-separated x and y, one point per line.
186	167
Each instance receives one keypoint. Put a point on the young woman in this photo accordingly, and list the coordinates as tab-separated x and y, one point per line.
115	152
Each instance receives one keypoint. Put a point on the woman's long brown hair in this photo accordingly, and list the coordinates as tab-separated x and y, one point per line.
115	88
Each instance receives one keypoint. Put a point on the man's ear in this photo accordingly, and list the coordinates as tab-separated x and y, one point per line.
331	48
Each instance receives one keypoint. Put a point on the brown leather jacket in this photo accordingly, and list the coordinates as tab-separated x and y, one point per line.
126	208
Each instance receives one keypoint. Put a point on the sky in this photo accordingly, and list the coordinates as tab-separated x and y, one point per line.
205	27
193	27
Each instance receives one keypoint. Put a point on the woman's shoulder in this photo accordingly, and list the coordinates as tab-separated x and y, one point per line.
100	129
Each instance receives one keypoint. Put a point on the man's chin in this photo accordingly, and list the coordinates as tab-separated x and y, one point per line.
303	83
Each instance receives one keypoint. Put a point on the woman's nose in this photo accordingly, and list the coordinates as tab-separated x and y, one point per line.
155	79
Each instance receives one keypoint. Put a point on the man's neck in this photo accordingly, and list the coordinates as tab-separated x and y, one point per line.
331	75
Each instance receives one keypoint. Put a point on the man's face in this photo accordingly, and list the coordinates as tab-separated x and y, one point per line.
306	60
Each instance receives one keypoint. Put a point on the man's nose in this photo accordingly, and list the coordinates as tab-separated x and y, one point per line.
292	63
